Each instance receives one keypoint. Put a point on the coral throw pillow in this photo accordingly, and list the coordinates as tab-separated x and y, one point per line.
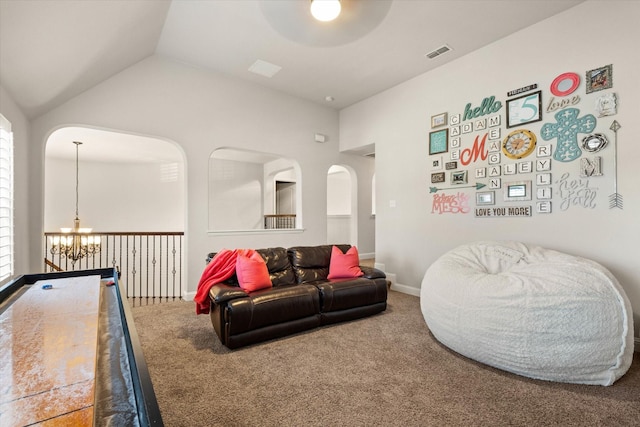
252	272
343	266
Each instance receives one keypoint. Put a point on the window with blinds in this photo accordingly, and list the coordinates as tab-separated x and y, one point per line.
6	199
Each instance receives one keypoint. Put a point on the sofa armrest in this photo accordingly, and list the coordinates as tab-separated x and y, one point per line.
372	273
221	293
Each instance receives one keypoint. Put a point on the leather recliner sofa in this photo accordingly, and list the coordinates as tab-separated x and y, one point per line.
301	298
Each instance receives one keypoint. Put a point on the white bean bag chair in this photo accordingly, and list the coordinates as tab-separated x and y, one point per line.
529	310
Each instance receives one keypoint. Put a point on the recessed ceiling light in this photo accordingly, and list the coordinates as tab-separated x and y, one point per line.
329	98
264	68
325	10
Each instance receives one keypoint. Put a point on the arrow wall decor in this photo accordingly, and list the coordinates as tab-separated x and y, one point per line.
615	199
477	186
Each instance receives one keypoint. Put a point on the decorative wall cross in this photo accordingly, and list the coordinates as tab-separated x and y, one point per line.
566	129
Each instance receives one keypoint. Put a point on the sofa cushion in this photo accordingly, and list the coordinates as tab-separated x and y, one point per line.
349	293
311	263
278	264
344	265
271	306
252	272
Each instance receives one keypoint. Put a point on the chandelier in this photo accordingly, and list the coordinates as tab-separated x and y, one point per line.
77	242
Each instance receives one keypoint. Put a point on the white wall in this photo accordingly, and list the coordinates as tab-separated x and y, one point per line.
338	205
235	195
114	196
409	237
339	192
200	112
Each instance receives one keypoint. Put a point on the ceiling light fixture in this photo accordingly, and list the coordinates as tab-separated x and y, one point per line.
294	21
325	10
76	242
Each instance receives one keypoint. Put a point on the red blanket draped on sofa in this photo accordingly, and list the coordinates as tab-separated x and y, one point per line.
219	269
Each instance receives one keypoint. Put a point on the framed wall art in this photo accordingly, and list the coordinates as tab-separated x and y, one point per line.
565	84
439	120
606	105
595	142
459	177
439	141
437	177
600	78
485	198
517	191
451	165
436	163
524	109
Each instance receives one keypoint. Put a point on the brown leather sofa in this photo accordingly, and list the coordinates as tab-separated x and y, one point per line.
301	297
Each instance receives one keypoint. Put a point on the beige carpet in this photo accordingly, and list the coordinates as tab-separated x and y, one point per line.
385	370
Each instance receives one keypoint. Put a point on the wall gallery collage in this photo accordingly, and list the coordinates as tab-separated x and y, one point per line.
539	152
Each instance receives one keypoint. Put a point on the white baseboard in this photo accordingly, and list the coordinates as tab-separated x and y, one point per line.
369	255
188	296
405	289
395	286
390	277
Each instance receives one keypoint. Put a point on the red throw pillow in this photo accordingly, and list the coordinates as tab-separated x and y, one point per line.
252	272
343	266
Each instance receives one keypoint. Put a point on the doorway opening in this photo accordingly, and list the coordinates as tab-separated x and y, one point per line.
342	205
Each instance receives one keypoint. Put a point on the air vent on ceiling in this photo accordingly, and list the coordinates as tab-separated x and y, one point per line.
439	51
264	68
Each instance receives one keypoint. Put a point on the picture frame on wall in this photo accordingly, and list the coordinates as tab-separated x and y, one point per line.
599	78
438	120
436	163
437	177
524	109
459	177
485	198
517	191
439	141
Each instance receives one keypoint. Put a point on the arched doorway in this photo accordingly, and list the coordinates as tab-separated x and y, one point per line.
131	191
342	205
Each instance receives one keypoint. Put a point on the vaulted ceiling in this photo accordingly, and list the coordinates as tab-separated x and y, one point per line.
53	50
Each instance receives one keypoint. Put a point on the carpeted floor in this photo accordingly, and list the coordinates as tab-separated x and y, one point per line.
384	370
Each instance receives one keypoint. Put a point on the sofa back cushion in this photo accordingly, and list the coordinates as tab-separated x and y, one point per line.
311	263
277	261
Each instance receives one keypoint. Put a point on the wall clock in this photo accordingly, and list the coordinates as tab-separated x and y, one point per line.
519	143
